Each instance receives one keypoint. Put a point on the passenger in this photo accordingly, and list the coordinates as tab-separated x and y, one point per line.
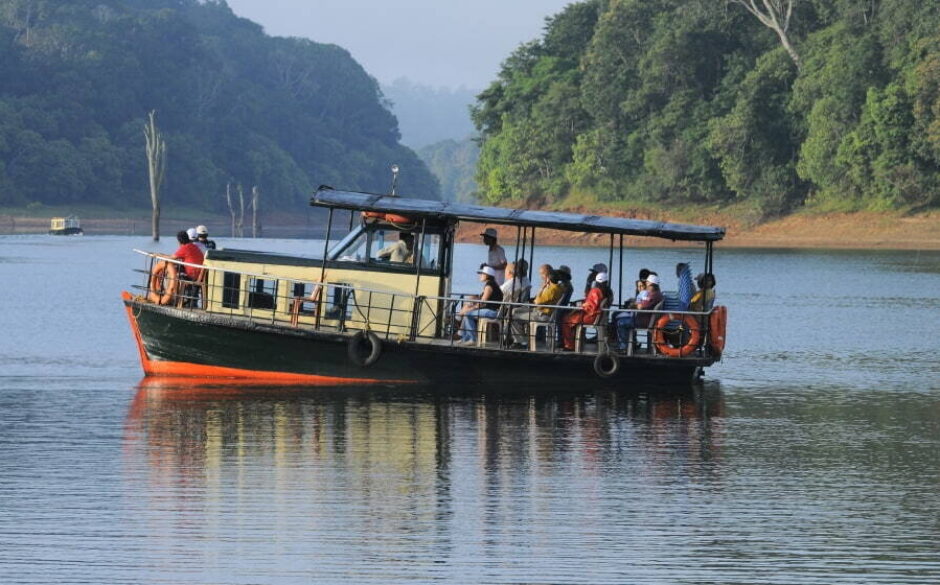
685	288
592	277
191	234
641	283
646	300
549	294
165	275
545	276
496	258
568	289
587	313
400	251
704	298
202	236
485	307
516	282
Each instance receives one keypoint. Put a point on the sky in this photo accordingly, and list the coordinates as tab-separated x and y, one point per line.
440	43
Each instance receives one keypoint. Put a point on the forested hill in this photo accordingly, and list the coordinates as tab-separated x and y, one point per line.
828	103
78	77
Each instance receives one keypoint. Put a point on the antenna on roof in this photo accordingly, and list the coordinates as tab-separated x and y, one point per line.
395	170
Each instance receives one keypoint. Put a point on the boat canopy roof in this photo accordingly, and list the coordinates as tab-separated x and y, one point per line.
328	197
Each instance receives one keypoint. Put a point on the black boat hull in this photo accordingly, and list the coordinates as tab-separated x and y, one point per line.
179	342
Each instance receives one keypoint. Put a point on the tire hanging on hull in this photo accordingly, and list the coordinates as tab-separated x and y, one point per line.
606	365
364	340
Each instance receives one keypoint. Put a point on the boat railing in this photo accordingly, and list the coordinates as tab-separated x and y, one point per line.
308	305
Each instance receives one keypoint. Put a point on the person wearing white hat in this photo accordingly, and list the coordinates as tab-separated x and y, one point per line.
597	299
646	300
194	239
496	257
202	233
486	306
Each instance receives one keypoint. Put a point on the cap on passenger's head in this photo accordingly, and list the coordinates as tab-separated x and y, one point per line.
601	277
191	232
599	267
487	270
565	269
490	233
652	279
202	230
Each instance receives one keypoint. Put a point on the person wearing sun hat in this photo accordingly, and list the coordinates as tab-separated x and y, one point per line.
496	257
599	296
486	306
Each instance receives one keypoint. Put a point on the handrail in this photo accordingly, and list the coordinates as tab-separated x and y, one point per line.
454	297
429	318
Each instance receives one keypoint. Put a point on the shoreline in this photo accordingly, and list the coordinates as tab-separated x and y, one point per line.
839	231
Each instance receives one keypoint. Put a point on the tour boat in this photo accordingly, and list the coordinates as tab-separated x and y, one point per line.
65	226
350	317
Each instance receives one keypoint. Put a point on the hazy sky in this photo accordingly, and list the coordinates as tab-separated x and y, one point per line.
433	42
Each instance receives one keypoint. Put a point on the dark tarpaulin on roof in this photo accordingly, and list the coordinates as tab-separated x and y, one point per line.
325	197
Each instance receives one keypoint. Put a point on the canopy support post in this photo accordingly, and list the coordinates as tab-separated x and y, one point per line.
326	252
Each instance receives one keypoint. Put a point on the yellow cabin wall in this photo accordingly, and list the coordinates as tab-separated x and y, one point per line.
374	308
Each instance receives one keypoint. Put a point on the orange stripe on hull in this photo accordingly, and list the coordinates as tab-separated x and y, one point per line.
190	370
183	369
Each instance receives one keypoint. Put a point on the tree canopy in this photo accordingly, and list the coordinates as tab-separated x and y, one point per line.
698	101
235	105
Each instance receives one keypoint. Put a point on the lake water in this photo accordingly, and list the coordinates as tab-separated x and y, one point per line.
811	455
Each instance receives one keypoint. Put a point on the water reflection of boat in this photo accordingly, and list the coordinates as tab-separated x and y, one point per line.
183	425
357	317
65	226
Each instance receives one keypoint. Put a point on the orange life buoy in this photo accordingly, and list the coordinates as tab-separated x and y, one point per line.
162	283
688	323
717	322
393	218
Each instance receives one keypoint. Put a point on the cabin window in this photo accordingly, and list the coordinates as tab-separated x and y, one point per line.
356	250
262	293
303	294
338	301
393	247
231	287
431	251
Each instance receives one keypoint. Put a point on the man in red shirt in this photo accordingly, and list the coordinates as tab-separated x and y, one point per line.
165	275
190	253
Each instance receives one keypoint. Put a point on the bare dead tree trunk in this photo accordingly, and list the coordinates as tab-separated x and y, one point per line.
240	225
255	220
231	208
156	167
775	15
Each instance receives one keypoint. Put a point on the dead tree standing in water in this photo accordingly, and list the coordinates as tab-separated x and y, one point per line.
255	204
238	219
156	167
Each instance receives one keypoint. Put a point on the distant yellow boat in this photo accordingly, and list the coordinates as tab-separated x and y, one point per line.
65	226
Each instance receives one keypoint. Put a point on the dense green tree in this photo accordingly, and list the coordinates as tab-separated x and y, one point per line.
696	101
78	77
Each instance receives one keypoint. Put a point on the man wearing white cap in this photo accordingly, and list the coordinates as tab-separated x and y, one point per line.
202	233
485	307
597	298
496	259
628	320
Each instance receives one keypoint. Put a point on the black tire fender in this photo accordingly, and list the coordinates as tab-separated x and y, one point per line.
361	343
606	365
